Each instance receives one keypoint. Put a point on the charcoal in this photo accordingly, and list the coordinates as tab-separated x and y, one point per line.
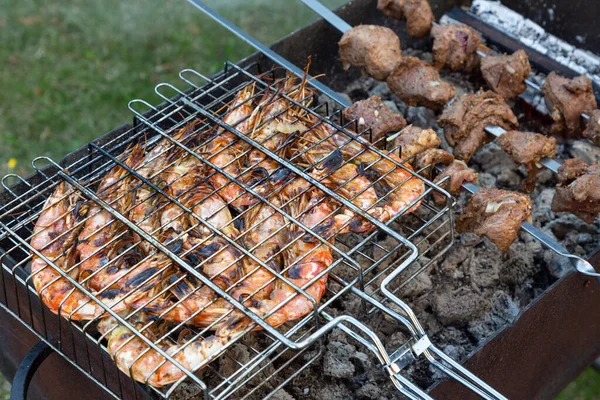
331	391
586	151
458	307
336	362
369	391
281	394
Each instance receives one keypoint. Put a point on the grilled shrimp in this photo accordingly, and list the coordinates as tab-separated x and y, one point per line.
137	359
220	262
264	238
97	236
403	188
192	305
128	286
273	129
146	202
348	181
143	213
54	236
305	259
225	149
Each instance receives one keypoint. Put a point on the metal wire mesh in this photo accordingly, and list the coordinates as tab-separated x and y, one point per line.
170	257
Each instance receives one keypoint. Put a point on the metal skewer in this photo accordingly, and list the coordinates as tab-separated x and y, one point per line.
343	26
494	130
266	50
579	263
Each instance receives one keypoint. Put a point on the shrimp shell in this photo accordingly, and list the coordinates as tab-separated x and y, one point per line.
225	149
264	237
54	236
305	259
100	228
134	357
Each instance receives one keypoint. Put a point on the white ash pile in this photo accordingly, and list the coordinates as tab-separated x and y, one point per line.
532	35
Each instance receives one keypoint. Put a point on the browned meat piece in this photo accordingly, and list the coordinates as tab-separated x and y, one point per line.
465	119
592	131
414	140
528	149
567	99
578	191
373	113
417	12
586	188
506	74
376	49
571	169
455	46
496	214
459	173
563	201
418	84
431	157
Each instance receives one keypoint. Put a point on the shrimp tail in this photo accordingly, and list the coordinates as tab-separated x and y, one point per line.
280	175
331	163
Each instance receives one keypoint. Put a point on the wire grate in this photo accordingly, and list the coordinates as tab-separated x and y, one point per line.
170	273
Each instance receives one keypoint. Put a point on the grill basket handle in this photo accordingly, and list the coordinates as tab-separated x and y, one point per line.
27	369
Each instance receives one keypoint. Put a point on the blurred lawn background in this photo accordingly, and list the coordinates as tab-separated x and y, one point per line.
69	69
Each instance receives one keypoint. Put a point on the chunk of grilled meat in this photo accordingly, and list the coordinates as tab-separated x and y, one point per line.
431	157
464	121
578	191
417	12
455	46
592	131
459	173
414	140
572	169
528	149
497	214
418	84
567	99
506	74
373	113
375	49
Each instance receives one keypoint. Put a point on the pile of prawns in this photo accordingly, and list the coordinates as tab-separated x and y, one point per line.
145	286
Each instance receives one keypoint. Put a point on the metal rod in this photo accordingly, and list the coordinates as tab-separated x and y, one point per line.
580	264
343	26
266	51
328	15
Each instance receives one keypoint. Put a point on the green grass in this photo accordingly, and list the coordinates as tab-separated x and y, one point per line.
70	68
585	387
